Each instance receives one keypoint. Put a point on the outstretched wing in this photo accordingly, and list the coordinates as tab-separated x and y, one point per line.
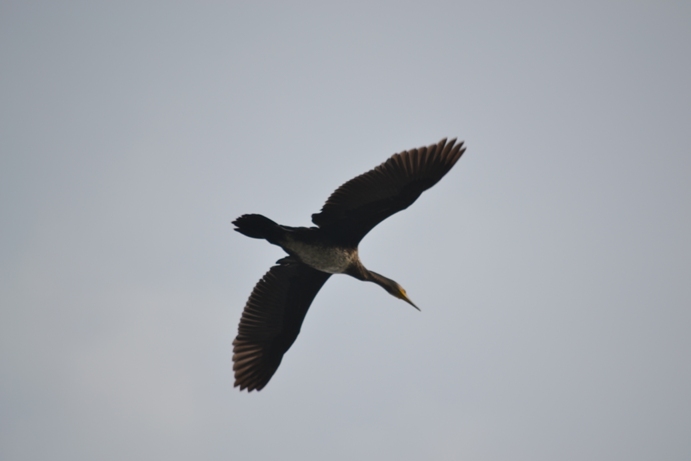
366	200
272	319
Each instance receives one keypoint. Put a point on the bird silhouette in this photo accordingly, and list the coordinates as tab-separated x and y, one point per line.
274	313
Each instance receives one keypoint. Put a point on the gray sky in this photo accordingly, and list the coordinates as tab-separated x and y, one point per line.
552	264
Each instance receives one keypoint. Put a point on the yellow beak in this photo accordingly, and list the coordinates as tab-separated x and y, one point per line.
405	298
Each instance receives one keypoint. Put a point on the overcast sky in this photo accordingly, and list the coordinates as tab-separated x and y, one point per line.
552	264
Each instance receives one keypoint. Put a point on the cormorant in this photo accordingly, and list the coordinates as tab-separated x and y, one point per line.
277	306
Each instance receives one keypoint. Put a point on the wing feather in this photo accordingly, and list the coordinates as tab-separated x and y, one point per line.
272	319
366	200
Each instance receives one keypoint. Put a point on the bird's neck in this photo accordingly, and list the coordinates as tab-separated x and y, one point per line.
360	272
380	280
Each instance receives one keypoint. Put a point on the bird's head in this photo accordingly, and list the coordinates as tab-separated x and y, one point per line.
400	293
391	286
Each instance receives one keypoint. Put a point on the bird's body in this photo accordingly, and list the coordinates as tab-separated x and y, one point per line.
326	258
279	302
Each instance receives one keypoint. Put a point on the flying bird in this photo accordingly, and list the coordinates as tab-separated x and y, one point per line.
275	310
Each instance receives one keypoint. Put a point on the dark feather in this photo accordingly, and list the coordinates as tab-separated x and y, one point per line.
279	302
366	200
272	319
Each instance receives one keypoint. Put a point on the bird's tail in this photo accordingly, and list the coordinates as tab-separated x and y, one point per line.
258	227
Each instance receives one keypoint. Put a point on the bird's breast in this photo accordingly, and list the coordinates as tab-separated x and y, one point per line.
333	260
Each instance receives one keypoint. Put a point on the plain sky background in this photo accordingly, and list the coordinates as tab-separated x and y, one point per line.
552	264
